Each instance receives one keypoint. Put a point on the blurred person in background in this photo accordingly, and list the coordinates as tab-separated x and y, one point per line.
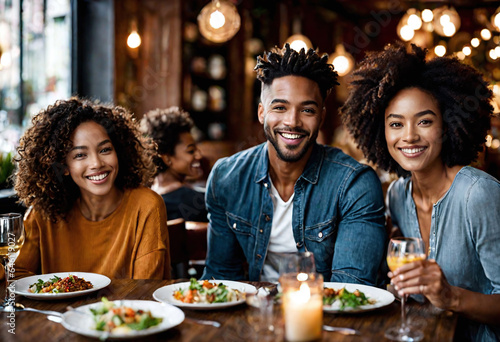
178	158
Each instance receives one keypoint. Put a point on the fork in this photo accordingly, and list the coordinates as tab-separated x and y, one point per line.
203	321
20	307
343	331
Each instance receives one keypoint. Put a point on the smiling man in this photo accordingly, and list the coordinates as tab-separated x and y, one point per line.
291	194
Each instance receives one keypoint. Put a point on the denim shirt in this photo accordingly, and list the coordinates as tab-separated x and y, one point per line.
465	233
338	214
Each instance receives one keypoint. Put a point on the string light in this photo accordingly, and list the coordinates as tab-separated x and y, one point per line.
495	19
406	33
219	21
298	42
134	39
449	29
489	139
475	42
342	61
440	50
497	51
414	22
486	34
461	55
492	54
409	23
427	15
446	21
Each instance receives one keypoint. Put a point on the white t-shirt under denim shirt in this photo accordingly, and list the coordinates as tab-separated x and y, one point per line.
281	240
464	236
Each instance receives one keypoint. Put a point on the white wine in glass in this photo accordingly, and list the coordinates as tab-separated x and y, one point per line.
399	252
11	241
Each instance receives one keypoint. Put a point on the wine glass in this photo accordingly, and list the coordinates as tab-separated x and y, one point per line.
11	241
403	251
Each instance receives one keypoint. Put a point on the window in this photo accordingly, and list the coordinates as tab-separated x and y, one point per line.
35	62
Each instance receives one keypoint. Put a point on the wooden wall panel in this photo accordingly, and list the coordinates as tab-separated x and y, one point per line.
149	77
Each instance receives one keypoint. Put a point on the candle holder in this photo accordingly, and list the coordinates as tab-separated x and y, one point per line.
302	306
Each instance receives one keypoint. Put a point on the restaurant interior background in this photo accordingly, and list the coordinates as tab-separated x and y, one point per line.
147	54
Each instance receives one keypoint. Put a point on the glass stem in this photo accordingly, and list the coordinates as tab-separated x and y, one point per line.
5	263
403	312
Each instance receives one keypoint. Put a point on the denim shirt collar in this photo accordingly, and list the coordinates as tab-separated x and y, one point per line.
310	173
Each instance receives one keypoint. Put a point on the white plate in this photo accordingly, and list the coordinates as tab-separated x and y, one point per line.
22	285
382	297
79	322
165	295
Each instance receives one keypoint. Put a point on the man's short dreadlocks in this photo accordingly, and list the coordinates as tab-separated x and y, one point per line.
288	62
462	94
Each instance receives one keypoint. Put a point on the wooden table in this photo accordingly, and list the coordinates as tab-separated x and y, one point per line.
29	326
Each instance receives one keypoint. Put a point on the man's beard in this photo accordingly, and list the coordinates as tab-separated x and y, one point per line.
290	158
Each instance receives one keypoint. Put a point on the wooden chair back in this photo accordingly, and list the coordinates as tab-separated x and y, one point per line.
178	247
196	241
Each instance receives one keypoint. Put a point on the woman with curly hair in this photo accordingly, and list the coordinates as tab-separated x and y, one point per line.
427	120
81	171
179	157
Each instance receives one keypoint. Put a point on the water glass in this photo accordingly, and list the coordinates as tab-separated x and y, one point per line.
300	262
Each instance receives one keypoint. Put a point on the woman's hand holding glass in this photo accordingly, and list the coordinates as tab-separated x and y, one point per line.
424	277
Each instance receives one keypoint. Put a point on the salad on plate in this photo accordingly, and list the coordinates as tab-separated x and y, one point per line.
206	292
122	319
345	298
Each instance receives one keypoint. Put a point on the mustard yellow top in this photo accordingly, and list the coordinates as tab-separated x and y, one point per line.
132	242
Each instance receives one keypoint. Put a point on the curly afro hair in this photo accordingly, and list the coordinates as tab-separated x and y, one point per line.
288	62
41	161
462	94
165	126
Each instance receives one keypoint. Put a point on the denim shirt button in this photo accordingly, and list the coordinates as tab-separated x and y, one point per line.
262	230
259	256
267	217
234	226
298	244
265	185
320	234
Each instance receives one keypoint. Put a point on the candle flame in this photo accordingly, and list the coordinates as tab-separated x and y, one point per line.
304	293
302	276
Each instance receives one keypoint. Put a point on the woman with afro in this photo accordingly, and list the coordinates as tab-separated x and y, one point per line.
178	158
81	170
427	120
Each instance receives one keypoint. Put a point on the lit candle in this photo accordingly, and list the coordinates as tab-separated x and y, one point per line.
303	309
